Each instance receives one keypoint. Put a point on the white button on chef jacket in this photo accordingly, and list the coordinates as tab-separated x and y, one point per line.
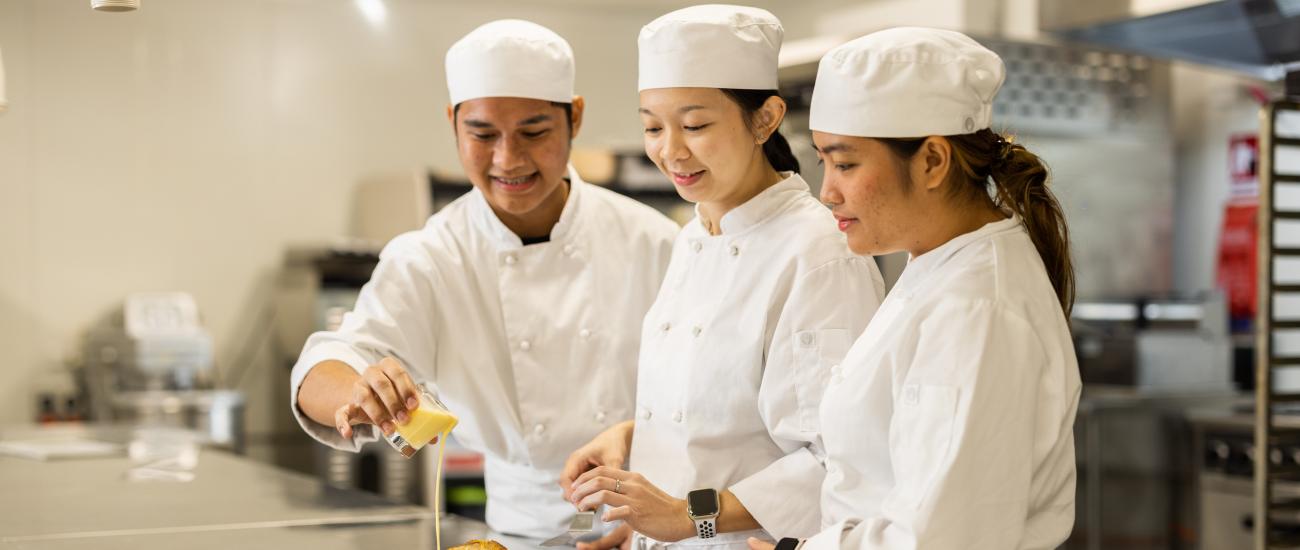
444	301
953	427
741	396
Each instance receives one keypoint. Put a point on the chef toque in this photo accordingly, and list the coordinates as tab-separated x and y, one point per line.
510	58
710	46
906	82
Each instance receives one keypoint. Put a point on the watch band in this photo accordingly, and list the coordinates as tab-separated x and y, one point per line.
706	528
787	543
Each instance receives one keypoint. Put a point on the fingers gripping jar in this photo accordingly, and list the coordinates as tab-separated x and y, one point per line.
431	419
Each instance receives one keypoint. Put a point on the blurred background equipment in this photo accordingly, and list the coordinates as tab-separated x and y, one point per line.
1225	477
1255	37
1277	391
387	205
154	343
151	364
1155	344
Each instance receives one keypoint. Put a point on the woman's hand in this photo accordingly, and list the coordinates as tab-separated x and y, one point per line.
756	544
633	500
610	448
619	537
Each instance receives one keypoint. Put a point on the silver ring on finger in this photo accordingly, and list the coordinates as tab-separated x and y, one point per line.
618	486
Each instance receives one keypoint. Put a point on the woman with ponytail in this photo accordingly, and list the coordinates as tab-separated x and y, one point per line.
762	297
951	425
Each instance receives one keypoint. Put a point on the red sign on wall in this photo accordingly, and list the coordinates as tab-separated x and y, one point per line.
1238	252
1243	163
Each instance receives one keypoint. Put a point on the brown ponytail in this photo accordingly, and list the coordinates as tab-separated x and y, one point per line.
1019	180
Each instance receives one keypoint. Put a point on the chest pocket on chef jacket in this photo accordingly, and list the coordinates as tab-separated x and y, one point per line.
817	356
920	438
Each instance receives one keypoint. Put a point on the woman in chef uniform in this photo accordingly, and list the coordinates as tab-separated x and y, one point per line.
521	301
951	424
761	301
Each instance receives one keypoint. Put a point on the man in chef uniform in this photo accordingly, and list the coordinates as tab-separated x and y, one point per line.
520	303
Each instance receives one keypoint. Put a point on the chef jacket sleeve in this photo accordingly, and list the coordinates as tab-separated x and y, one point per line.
961	438
393	316
826	309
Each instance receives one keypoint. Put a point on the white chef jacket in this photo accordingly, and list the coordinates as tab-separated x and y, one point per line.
533	347
950	422
735	355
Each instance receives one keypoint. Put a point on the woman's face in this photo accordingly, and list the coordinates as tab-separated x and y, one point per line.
875	199
698	137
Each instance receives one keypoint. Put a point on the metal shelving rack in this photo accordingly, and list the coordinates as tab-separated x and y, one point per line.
1276	518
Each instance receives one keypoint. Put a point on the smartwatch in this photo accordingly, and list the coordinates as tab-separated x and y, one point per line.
702	506
788	544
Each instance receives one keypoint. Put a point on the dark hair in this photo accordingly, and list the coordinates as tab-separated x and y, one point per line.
776	148
1020	180
568	115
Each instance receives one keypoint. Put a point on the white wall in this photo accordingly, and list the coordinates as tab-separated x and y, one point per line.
185	145
17	316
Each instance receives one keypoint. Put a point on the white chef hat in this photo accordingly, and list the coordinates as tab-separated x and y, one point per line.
710	46
906	82
510	58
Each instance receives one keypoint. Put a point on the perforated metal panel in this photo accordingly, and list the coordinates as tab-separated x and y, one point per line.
1065	90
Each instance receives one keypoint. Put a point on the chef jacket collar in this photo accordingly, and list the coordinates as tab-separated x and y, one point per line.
566	227
760	207
918	267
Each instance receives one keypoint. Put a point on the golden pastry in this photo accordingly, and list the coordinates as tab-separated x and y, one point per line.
478	544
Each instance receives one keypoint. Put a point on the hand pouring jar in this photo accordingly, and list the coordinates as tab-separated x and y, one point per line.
430	420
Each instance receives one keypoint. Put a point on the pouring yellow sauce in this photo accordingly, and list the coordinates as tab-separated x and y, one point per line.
426	424
428	421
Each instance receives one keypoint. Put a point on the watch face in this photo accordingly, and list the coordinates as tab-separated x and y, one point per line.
702	502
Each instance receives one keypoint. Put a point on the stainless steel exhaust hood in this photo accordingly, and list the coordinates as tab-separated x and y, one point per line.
1257	37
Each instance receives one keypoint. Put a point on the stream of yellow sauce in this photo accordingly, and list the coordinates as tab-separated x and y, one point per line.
425	423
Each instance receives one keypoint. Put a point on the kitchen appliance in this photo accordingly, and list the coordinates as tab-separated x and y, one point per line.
1155	344
218	415
1254	37
1225	479
1136	471
1277	320
151	364
155	343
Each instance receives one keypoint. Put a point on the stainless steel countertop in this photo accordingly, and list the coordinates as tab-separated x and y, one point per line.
1100	397
232	502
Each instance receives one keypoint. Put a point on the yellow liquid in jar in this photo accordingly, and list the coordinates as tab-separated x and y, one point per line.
425	424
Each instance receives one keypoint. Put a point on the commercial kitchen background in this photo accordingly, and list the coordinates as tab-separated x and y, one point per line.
218	147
